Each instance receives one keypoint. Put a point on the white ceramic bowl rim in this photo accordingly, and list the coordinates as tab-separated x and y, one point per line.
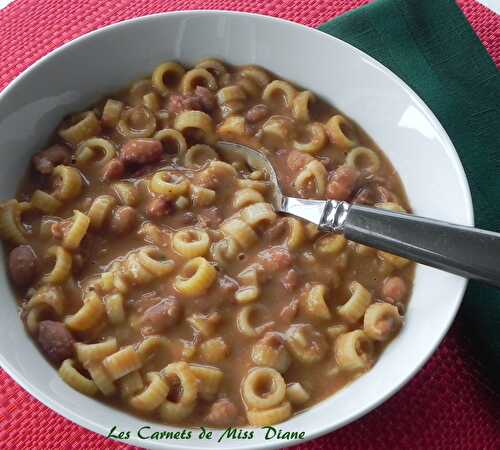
86	421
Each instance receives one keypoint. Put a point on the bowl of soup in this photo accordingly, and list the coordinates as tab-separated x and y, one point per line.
152	293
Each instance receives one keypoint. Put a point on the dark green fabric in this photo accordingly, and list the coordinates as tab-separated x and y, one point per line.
430	45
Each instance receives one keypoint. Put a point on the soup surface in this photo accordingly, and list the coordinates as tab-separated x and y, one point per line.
157	276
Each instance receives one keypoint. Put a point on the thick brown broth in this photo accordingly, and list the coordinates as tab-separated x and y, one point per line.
299	279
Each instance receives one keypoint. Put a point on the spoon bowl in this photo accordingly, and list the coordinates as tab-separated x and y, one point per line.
465	251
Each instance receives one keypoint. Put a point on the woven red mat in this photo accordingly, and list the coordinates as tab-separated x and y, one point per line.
448	405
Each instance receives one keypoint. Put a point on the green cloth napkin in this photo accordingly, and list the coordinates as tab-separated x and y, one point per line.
430	45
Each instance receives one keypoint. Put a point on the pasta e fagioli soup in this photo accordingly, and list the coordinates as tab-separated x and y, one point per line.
157	277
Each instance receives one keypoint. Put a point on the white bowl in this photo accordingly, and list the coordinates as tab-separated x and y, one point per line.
80	72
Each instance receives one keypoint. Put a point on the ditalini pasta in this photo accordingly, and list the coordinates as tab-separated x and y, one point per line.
156	275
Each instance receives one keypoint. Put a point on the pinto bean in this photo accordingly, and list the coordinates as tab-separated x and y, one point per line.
157	318
178	103
275	259
257	113
123	220
141	151
297	160
394	289
159	207
55	340
342	183
45	161
23	265
113	170
187	218
222	413
206	98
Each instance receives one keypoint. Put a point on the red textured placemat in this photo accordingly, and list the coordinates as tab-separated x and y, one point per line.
447	405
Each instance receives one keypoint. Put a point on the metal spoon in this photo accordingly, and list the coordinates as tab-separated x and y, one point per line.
466	251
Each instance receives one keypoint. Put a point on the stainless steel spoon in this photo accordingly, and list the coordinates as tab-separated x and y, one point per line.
466	251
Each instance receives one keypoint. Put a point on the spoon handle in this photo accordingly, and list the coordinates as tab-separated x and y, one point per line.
465	251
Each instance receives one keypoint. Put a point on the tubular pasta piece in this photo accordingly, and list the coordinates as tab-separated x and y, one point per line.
355	307
166	76
77	231
111	113
150	346
169	136
329	245
381	321
316	142
340	132
130	384
122	362
300	105
11	228
281	88
244	320
62	266
196	77
362	158
214	66
68	182
169	184
314	303
232	127
127	128
252	386
214	350
45	202
88	316
305	343
196	277
258	214
198	155
205	324
100	210
224	251
262	418
101	379
153	260
209	381
191	242
296	394
97	150
270	351
176	412
75	379
127	193
313	172
354	351
153	396
201	197
189	383
83	126
95	353
240	231
257	75
198	121
245	197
